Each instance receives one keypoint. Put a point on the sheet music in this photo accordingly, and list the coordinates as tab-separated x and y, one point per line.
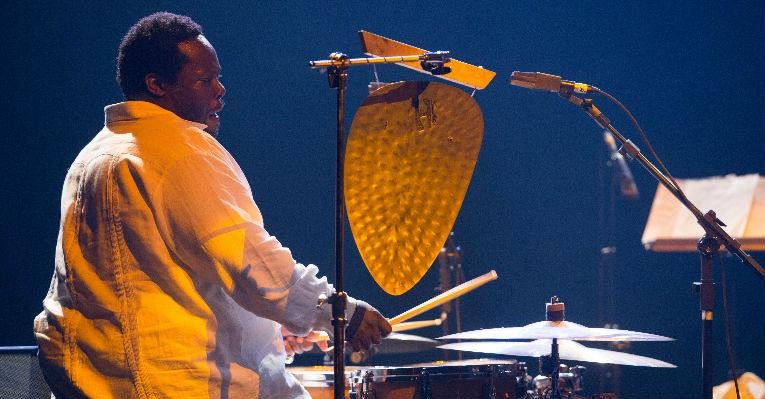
729	196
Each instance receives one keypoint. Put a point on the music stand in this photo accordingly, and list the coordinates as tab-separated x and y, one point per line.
738	200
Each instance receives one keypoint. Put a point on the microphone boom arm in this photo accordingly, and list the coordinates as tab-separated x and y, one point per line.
708	245
712	227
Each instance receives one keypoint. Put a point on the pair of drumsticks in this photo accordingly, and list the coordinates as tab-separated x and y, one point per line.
399	322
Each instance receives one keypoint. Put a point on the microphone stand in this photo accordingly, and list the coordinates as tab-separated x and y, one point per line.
621	185
708	245
607	260
337	76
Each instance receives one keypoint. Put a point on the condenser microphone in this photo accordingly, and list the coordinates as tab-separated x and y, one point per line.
547	82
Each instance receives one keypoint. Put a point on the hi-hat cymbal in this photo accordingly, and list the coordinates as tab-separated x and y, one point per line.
557	329
409	158
568	350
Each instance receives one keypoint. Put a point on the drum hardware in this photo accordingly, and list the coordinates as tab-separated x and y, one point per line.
450	274
554	338
569	381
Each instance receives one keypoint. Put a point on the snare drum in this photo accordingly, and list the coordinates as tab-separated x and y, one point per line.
481	381
319	381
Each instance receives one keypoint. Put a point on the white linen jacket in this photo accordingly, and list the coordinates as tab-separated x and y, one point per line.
166	284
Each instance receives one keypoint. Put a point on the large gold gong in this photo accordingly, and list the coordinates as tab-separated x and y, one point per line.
409	157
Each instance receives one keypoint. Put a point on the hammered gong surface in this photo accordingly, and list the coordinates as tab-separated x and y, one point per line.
409	158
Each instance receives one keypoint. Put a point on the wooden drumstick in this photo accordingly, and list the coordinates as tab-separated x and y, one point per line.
445	297
411	325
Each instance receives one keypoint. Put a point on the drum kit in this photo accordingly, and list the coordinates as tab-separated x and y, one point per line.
415	145
551	341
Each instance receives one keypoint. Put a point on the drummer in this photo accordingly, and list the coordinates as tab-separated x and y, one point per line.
166	283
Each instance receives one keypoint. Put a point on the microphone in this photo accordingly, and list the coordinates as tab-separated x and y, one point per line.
626	181
547	82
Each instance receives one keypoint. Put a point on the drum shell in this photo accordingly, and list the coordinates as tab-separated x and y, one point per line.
458	382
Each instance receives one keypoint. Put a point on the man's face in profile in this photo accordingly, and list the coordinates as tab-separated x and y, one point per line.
197	92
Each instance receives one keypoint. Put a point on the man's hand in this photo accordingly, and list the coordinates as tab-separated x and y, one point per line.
366	328
294	344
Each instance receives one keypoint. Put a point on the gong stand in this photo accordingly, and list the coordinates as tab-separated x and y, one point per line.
337	75
708	245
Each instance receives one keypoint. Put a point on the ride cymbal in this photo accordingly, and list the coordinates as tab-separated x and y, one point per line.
557	329
568	350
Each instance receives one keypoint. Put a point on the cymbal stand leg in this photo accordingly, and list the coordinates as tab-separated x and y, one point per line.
555	374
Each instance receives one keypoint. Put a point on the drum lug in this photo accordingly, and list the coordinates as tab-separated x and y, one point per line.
366	385
425	390
490	392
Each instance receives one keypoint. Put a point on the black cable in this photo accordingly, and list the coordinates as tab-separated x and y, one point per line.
644	137
728	335
728	326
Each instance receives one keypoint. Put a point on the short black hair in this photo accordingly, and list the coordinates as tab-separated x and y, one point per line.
151	46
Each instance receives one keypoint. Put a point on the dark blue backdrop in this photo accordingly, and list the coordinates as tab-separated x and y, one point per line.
692	72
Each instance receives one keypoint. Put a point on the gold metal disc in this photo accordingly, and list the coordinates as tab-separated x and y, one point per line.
409	158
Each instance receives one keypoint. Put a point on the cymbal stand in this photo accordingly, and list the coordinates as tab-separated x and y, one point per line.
555	311
713	238
450	275
337	75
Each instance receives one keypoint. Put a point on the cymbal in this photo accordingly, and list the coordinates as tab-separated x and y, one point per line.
464	362
568	350
405	343
397	343
557	329
409	159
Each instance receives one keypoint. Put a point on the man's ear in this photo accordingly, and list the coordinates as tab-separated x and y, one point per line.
155	84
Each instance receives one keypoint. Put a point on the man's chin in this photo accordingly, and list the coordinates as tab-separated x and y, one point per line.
213	124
